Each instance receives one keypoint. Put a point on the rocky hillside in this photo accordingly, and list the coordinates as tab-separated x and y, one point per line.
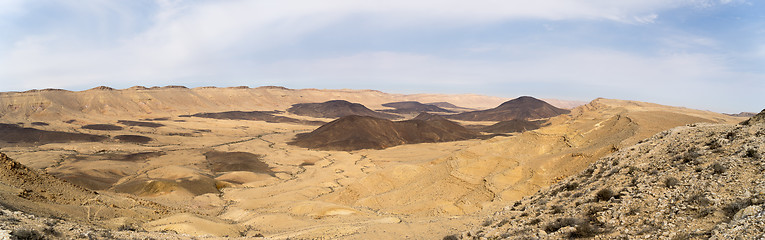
697	181
523	108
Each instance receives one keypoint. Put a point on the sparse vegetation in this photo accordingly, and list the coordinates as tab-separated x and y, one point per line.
556	209
571	186
732	208
451	237
671	182
561	223
752	153
718	168
26	234
604	194
486	223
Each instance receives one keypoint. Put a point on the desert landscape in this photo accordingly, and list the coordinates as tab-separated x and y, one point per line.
342	119
278	163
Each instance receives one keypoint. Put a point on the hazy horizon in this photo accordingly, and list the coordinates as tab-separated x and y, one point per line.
702	54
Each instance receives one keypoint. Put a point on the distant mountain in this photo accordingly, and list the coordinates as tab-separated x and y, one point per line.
448	105
520	108
413	107
756	119
336	109
741	114
267	116
363	132
510	126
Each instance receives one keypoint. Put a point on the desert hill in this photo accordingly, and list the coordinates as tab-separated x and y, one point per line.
336	109
523	108
409	107
364	132
692	182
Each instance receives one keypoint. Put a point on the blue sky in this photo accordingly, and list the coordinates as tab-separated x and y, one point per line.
703	54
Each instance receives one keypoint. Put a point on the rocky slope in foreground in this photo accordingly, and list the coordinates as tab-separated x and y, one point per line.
700	181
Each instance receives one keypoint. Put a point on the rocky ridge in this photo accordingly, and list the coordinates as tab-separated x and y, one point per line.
700	181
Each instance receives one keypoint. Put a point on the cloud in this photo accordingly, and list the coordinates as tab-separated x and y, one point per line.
172	41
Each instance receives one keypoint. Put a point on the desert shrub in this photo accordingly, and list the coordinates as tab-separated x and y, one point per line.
690	156
583	230
752	153
534	221
451	237
503	222
633	211
604	194
704	212
682	236
26	234
714	144
486	223
561	223
699	199
732	208
718	168
556	209
671	182
571	186
127	227
50	231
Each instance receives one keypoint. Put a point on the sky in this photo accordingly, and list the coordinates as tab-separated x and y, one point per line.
702	54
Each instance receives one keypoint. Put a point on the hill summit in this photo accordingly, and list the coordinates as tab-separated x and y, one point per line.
336	109
523	108
363	132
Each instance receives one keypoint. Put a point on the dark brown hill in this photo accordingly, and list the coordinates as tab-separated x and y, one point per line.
336	109
510	126
520	108
448	105
13	134
413	107
267	116
364	132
